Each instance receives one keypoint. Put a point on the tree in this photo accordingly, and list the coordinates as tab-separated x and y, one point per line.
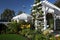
7	15
20	12
36	9
57	3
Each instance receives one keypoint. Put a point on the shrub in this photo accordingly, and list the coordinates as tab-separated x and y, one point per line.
13	27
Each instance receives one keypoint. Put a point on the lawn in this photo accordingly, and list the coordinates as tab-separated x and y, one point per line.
11	37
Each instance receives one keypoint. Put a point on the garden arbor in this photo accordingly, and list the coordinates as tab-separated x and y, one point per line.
47	7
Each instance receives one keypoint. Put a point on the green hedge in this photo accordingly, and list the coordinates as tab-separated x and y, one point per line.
11	37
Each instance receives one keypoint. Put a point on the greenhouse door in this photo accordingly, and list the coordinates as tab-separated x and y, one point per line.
50	20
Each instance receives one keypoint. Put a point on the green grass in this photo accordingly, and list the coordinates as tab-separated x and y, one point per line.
11	37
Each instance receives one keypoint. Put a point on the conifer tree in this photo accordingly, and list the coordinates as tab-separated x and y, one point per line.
36	10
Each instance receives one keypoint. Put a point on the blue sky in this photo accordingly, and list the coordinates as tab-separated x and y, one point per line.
18	5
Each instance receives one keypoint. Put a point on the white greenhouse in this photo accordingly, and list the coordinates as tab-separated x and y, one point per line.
23	16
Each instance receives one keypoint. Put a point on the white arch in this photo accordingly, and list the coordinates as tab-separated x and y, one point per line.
48	7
